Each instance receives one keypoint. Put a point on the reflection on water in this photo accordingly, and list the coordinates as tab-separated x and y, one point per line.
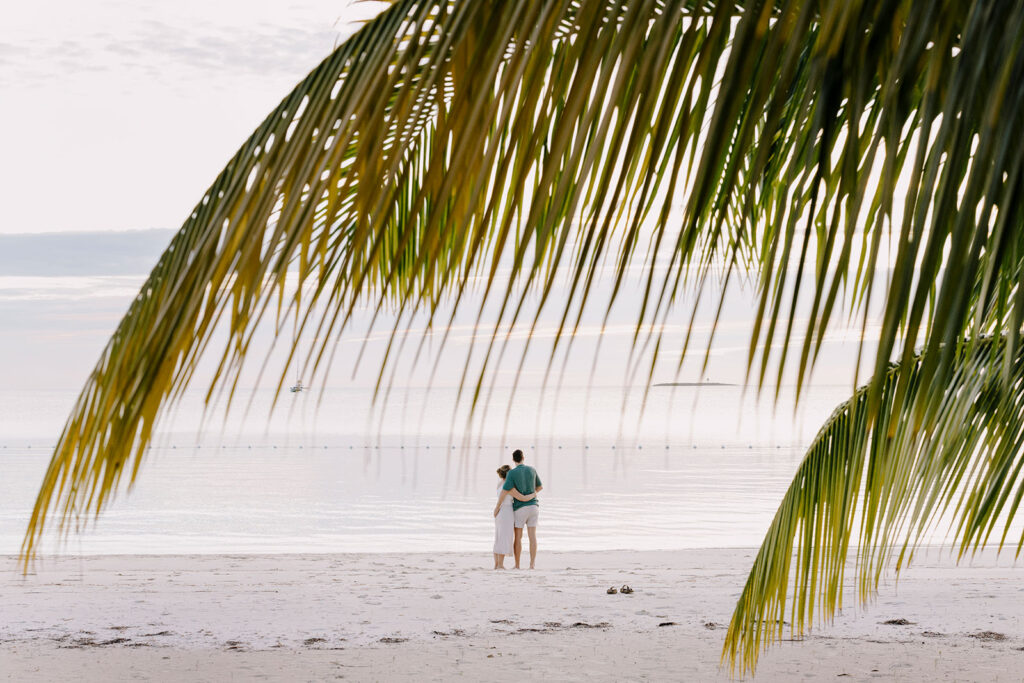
688	473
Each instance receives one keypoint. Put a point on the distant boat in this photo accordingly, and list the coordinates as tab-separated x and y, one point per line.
297	387
706	383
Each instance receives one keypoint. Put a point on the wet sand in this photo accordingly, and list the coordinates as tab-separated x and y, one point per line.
445	616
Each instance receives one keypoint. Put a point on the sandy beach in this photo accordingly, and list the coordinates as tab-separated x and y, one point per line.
444	616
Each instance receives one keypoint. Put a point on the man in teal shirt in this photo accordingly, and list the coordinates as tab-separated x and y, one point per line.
524	479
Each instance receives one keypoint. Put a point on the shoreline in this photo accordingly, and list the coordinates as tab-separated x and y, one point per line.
434	616
7	558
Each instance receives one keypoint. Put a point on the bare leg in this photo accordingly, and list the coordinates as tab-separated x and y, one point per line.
517	545
532	531
499	561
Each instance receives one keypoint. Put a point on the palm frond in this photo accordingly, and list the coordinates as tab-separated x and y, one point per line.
882	485
447	137
438	140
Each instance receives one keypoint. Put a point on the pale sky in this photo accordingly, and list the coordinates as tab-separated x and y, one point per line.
117	114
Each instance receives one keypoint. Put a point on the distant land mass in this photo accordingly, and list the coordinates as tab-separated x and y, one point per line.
129	252
694	384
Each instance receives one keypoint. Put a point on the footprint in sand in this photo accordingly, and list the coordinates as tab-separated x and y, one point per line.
987	636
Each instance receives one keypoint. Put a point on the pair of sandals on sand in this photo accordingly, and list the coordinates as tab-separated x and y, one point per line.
625	590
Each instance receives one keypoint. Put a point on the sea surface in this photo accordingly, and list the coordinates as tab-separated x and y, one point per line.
689	467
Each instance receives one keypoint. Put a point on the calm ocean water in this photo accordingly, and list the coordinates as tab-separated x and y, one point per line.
698	467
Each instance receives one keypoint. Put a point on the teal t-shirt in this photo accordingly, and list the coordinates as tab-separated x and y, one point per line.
524	479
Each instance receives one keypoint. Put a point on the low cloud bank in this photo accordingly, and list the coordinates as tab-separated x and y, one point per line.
132	252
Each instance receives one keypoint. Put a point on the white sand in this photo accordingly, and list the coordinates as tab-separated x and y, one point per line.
422	617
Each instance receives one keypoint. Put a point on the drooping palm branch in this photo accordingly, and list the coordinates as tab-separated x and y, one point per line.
963	470
800	140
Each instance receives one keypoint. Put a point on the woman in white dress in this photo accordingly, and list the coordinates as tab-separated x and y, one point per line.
504	520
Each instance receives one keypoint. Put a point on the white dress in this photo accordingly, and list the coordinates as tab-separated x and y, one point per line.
504	524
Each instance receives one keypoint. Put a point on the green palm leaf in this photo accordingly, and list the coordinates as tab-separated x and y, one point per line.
964	470
449	137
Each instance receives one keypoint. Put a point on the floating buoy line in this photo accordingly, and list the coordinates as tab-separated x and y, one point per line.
349	447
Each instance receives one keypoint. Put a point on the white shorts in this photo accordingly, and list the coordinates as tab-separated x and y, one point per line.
527	516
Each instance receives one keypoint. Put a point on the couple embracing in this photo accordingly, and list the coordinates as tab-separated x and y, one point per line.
517	508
